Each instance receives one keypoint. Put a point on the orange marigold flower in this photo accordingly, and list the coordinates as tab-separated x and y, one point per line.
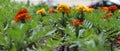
77	22
24	10
52	10
109	15
113	8
105	9
22	17
63	8
41	11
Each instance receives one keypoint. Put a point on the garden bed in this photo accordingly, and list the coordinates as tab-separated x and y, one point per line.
61	28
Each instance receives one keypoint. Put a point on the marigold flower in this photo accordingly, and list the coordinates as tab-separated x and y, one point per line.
77	22
52	10
80	7
107	16
63	8
105	9
90	9
113	8
24	10
41	11
84	9
22	17
68	10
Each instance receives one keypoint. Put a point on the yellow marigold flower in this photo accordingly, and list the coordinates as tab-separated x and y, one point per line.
70	8
41	11
84	9
63	8
80	7
90	9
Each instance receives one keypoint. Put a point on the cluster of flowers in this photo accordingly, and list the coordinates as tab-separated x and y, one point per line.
110	8
64	8
109	11
23	15
84	9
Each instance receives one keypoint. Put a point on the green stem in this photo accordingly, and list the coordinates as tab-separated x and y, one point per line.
77	31
111	47
63	14
63	20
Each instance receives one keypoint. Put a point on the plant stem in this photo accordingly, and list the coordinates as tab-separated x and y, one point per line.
111	47
77	31
63	21
63	14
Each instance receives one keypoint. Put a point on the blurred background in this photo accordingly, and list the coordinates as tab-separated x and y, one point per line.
88	3
54	2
